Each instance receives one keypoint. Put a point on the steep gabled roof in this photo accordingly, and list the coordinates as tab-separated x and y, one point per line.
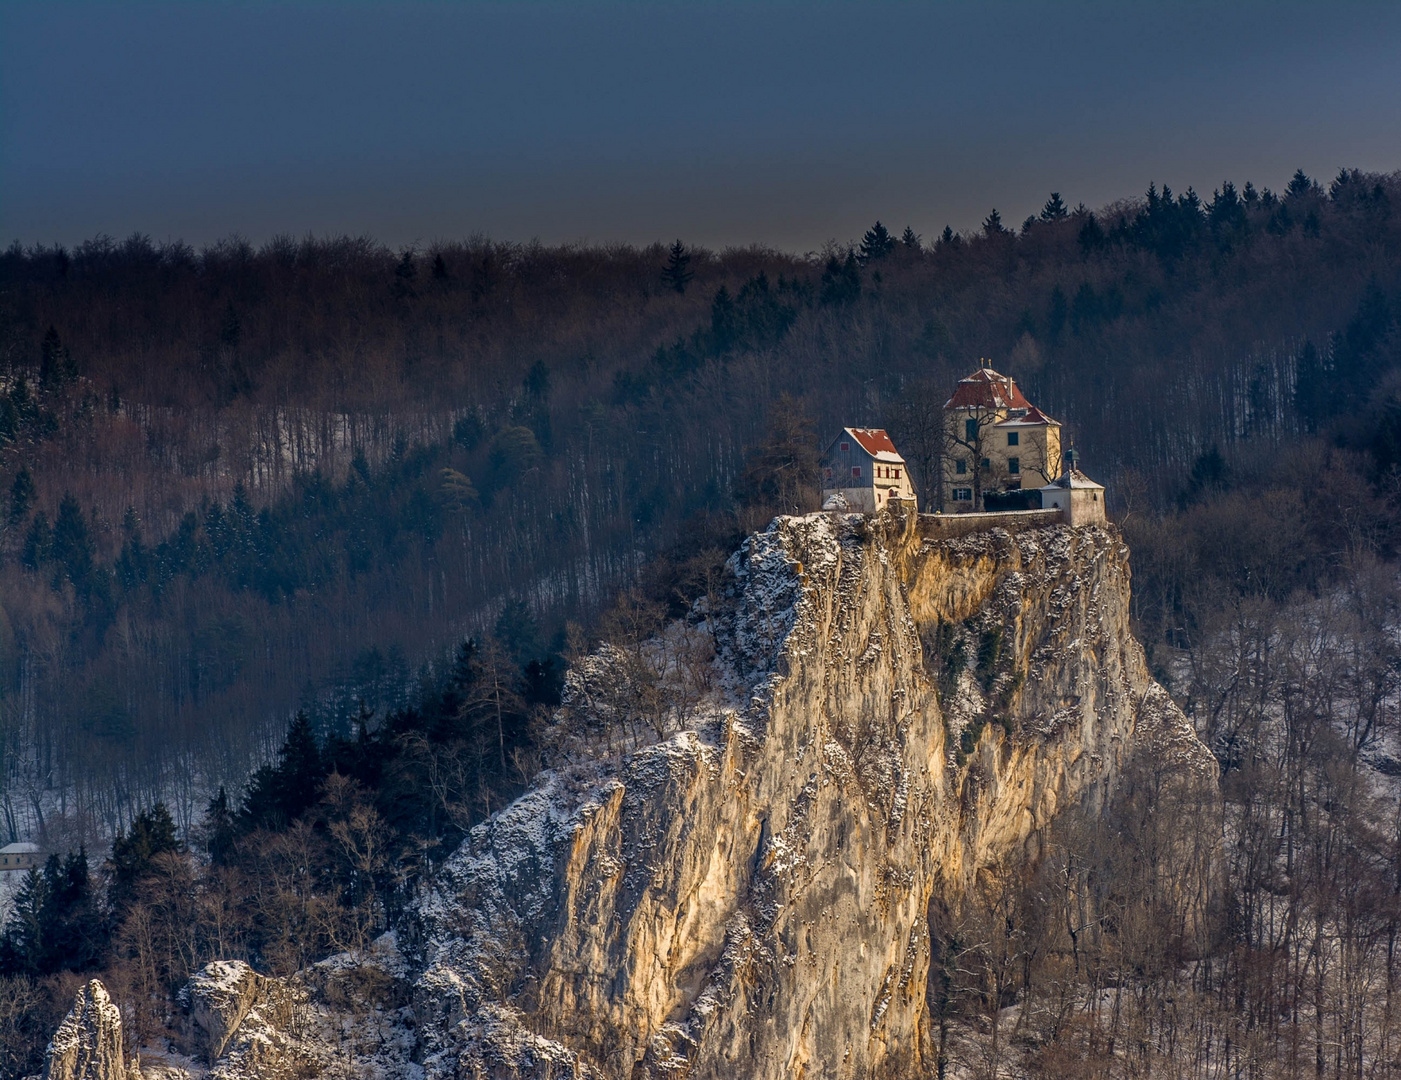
987	389
875	442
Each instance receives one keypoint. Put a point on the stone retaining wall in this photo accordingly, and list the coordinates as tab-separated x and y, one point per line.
948	526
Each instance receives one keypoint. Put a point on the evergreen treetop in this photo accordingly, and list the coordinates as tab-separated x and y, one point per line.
1055	208
677	273
876	244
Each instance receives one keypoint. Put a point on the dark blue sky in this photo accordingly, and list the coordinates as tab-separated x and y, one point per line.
781	123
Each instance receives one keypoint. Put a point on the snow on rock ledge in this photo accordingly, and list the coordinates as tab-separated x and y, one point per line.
88	1043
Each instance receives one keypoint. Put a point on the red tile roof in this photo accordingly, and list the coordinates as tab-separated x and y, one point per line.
873	440
986	389
1033	415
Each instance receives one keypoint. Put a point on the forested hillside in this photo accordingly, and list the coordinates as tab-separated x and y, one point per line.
245	484
242	481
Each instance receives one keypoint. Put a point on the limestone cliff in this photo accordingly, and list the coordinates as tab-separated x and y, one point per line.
865	717
750	896
88	1044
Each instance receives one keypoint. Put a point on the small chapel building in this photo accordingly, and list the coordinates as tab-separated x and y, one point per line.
1075	495
995	440
863	473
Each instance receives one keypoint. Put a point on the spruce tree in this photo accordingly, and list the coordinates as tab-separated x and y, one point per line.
677	273
876	244
38	543
22	939
219	828
992	224
1055	208
21	495
71	926
72	543
724	322
404	274
841	281
56	365
278	794
910	239
134	855
1091	236
1299	185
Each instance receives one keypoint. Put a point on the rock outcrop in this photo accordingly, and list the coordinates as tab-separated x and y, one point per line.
741	881
751	895
88	1043
217	999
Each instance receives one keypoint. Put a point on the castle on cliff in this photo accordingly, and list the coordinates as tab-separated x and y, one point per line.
999	453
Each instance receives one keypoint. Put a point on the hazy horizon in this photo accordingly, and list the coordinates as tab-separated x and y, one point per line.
776	124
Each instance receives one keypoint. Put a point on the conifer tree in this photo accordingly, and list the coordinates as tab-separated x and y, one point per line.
54	924
1091	236
404	274
21	495
910	239
724	322
134	855
72	543
56	365
992	224
1055	208
38	543
677	273
876	244
1299	185
278	794
219	827
841	281
22	939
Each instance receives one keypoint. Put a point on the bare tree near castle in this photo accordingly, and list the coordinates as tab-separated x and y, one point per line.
969	434
918	425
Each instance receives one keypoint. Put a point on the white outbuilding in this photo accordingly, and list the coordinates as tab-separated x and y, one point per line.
19	857
1078	497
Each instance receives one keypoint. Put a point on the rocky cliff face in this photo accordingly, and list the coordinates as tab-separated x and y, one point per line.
748	890
88	1044
751	896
